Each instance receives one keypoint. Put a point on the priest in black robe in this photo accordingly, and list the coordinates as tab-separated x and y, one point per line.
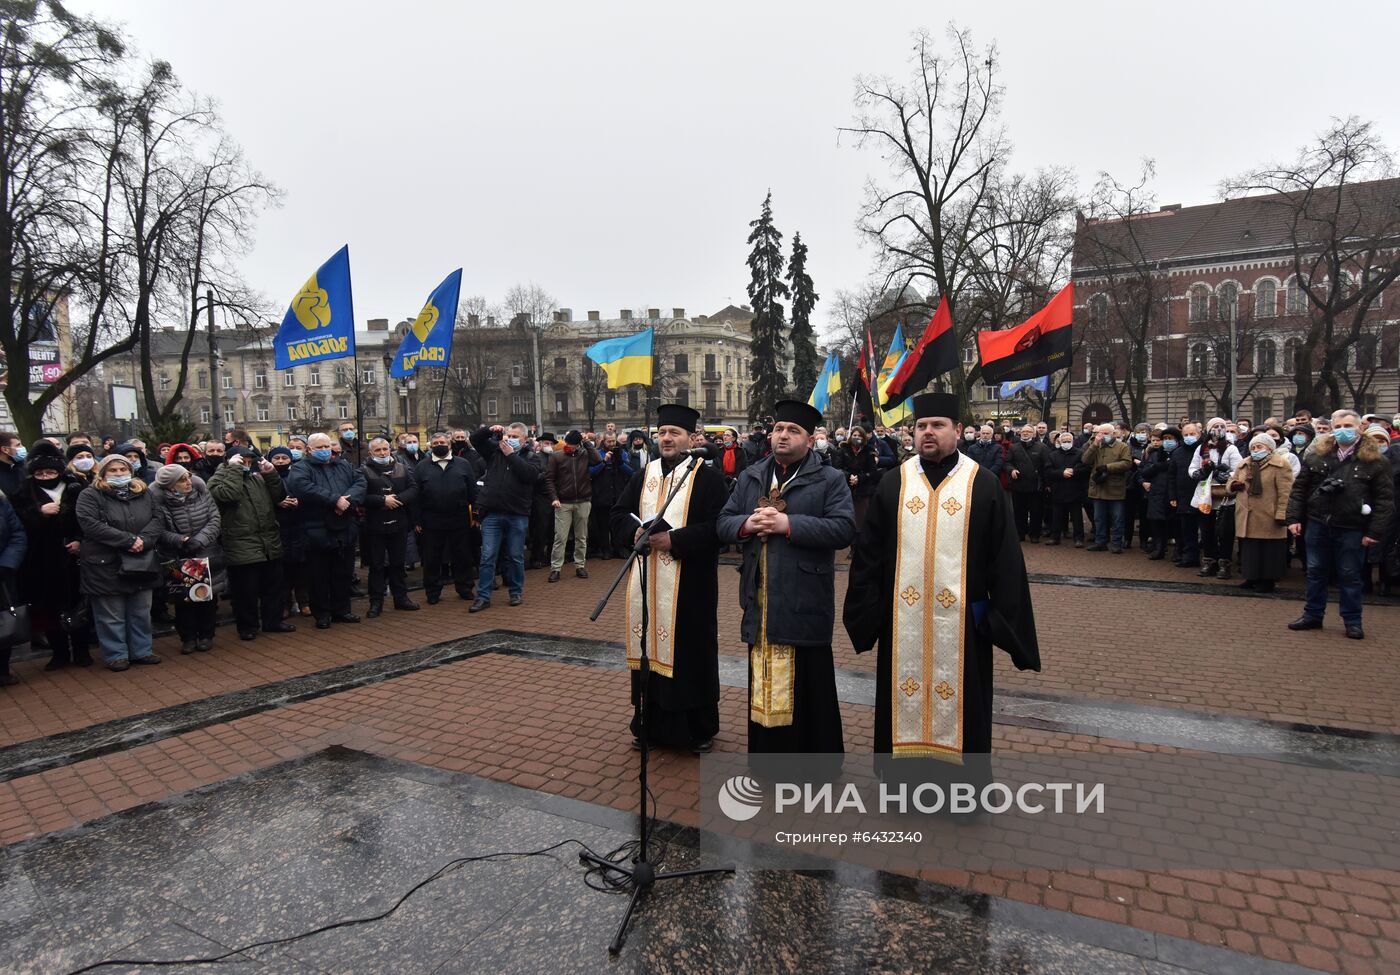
939	539
682	701
790	513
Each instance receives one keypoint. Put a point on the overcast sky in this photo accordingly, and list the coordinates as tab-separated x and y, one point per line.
614	153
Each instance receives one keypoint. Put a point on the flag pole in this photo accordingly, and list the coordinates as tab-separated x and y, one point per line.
442	390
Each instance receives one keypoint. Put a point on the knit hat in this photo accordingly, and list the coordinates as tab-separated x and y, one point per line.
573	438
44	446
169	474
1376	430
79	448
112	458
279	452
1262	438
44	462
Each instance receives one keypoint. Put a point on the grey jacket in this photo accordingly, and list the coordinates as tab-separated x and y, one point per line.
802	586
196	517
111	522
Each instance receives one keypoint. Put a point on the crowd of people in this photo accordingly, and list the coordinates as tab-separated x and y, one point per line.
88	526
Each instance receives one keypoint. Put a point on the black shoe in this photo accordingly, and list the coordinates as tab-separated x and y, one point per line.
356	592
405	603
1079	543
1247	584
1156	557
1265	586
82	659
204	644
323	623
1305	623
553	576
479	605
467	596
281	628
1053	541
1096	547
55	665
1115	550
149	658
581	573
1035	539
516	599
1354	632
247	634
434	598
374	610
704	747
346	618
186	647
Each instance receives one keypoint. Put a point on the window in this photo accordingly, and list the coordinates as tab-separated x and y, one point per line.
710	364
342	410
342	377
561	403
228	416
316	413
729	399
313	378
1263	409
1227	304
1288	403
1199	365
517	372
632	400
683	396
491	406
371	405
1196	410
164	383
711	401
561	363
226	381
260	379
202	378
1199	309
682	363
1291	348
1265	299
1266	357
610	401
969	355
491	374
729	365
1366	403
1296	300
204	414
1098	311
1098	366
367	375
291	412
262	412
289	379
522	405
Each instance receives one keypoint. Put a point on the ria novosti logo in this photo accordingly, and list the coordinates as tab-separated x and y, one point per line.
740	798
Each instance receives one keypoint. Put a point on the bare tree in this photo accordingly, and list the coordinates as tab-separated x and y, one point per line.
1336	206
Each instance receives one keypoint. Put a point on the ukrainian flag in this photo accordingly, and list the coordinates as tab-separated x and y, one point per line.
429	341
828	382
320	322
893	360
626	360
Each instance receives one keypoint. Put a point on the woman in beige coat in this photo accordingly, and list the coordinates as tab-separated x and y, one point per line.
1260	486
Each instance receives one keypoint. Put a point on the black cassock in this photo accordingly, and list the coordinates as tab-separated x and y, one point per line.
683	709
996	578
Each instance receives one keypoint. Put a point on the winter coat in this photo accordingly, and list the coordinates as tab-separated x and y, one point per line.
13	542
1066	490
111	521
1028	460
445	494
610	477
289	525
1116	460
194	517
738	454
988	455
248	509
510	481
801	581
1264	516
318	487
864	464
1155	474
48	578
398	480
12	475
1181	485
1364	478
1222	461
567	474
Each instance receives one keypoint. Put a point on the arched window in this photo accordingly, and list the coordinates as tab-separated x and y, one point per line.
1098	366
1098	311
1227	302
1291	348
1200	303
1297	301
1266	357
1265	299
1200	361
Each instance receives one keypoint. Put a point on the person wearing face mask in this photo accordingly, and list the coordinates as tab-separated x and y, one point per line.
1110	464
213	459
329	492
1155	472
1380	559
82	464
186	455
609	480
1183	486
12	456
446	489
1344	504
48	581
297	598
118	519
1261	486
1135	500
571	493
1025	464
540	532
505	512
1213	461
985	450
390	490
347	438
857	460
189	529
252	541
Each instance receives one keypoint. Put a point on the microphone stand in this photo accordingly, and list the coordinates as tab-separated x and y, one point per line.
641	874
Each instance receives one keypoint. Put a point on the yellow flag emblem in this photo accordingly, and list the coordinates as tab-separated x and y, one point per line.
423	324
312	306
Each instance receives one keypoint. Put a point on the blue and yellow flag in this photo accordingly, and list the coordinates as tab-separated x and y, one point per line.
320	323
893	360
626	360
429	341
1010	389
828	382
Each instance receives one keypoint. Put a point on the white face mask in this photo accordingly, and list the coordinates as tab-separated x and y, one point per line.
821	443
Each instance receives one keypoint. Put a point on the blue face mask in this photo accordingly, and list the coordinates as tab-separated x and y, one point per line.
1345	436
21	453
119	480
1259	454
296	454
322	455
1190	439
383	461
412	448
1299	440
347	435
514	442
1168	445
1109	440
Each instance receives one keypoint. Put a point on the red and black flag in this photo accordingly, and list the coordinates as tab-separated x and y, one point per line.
865	406
936	353
1037	347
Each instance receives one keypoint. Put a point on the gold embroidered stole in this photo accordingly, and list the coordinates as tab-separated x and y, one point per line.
930	587
663	577
773	666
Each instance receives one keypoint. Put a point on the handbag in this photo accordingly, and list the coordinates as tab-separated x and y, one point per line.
14	625
77	619
138	566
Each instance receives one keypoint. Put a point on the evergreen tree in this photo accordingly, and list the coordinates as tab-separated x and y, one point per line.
804	298
766	286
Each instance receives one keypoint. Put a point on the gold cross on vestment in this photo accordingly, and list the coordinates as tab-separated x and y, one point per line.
945	597
952	506
944	690
910	687
915	505
910	595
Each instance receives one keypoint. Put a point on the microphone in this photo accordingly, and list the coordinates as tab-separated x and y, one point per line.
706	452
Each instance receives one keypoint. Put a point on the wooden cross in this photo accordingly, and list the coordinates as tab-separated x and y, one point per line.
773	499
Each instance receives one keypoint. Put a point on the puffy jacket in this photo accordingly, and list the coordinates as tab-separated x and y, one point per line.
195	517
567	474
1117	461
1364	478
510	481
318	488
380	482
111	521
248	508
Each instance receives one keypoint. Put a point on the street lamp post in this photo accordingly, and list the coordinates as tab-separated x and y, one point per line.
216	414
389	391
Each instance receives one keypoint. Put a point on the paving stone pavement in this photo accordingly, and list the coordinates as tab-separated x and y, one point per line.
560	728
